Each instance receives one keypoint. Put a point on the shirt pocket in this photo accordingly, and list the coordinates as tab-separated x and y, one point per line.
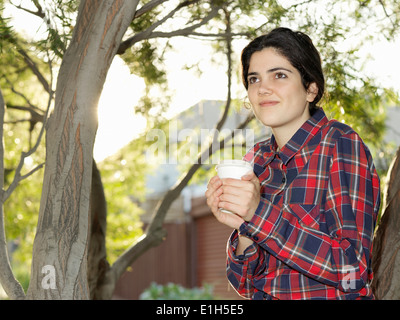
308	214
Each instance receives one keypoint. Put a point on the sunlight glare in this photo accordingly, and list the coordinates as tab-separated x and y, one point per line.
118	124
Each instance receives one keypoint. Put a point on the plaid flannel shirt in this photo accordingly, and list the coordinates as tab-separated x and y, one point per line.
312	231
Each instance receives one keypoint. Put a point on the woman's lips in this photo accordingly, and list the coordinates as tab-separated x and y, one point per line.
268	103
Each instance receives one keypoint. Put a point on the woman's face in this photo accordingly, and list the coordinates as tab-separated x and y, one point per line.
276	93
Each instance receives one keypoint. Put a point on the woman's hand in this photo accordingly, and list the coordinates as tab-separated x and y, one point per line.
213	194
239	196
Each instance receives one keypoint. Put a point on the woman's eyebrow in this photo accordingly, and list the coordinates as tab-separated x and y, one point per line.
252	74
279	68
269	71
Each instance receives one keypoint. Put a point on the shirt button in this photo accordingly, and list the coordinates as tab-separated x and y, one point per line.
255	238
283	180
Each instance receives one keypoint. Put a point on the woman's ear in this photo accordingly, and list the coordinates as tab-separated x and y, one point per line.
312	92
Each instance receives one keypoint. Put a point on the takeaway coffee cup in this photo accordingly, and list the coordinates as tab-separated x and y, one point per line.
233	169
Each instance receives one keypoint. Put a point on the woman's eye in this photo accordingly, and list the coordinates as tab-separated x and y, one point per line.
280	75
253	80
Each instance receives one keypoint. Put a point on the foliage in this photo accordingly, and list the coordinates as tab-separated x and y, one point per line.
172	291
5	29
21	130
22	208
124	187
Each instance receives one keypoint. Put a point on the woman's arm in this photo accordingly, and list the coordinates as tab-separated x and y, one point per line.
243	267
244	258
243	244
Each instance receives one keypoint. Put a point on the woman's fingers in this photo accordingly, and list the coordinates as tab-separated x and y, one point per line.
230	219
240	196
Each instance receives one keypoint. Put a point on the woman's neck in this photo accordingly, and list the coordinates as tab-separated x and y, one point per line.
284	133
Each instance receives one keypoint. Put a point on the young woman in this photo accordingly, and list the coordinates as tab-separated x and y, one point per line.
305	218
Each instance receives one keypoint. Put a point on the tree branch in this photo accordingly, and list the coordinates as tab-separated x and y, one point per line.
23	96
39	13
387	14
155	234
216	35
7	279
149	32
42	15
148	7
35	116
17	176
32	65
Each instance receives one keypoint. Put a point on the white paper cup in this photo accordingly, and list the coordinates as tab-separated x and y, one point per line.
233	169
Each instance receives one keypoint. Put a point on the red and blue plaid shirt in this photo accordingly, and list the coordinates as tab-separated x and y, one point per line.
312	231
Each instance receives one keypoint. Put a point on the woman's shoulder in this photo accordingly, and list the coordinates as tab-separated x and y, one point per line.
343	136
335	130
335	125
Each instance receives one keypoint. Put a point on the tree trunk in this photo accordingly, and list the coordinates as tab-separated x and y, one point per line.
59	263
386	257
97	254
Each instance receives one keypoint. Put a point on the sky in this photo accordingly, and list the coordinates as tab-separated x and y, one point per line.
118	123
384	63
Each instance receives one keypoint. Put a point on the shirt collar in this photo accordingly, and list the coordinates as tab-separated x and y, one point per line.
307	131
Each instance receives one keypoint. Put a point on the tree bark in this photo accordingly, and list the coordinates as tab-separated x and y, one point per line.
386	257
59	264
97	254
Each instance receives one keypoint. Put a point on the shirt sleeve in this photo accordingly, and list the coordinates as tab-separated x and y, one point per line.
242	268
341	256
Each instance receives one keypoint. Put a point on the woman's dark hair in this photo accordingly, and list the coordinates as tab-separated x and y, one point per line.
295	46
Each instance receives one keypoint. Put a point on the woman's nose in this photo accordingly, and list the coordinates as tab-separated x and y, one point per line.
264	89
